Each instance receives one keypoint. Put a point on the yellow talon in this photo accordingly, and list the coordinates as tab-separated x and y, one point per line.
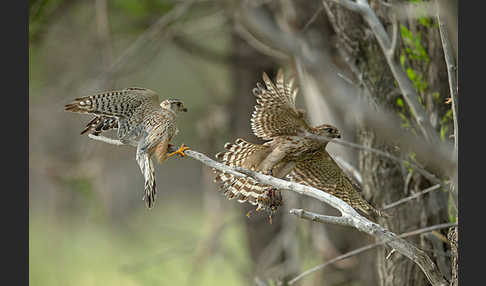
180	151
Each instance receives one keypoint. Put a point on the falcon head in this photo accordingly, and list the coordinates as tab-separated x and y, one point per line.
173	104
328	130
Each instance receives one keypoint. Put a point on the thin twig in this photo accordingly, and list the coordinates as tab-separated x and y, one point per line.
154	32
368	247
412	165
312	19
404	200
106	140
319	218
393	47
258	45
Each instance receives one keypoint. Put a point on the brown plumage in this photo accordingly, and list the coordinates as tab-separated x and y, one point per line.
288	151
319	170
278	120
141	120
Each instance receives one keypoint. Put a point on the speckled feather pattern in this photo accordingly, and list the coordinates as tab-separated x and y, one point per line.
286	153
128	107
319	170
275	119
275	113
247	155
141	122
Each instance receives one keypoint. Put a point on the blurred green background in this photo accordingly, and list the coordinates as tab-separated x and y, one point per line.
88	224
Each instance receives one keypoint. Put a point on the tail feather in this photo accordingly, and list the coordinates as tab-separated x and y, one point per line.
150	185
85	104
247	155
147	168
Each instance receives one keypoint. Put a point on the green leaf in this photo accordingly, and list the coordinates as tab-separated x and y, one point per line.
402	60
400	102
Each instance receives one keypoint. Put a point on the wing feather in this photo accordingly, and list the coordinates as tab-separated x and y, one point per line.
124	109
322	172
275	113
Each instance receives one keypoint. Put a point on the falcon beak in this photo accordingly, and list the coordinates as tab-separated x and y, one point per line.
184	109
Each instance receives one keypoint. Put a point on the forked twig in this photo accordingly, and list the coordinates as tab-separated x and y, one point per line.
364	248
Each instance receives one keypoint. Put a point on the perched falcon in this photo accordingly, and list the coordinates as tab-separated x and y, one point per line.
290	150
142	121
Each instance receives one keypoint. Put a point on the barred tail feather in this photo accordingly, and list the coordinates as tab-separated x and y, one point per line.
85	104
150	185
247	190
147	168
246	155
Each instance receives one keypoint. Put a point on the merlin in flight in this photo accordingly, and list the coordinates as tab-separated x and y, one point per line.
141	121
291	150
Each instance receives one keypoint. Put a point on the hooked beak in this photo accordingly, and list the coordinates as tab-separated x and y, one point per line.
184	109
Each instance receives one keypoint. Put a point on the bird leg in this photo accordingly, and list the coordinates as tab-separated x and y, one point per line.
106	139
179	151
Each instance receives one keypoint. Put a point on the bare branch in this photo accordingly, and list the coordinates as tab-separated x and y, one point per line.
408	90
155	31
365	248
350	5
404	200
259	45
312	19
393	47
106	140
451	72
349	216
320	218
412	165
320	71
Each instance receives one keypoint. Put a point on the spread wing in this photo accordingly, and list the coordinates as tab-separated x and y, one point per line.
122	109
320	171
276	114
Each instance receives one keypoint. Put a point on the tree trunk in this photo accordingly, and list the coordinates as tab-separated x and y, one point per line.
385	181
